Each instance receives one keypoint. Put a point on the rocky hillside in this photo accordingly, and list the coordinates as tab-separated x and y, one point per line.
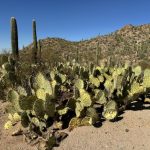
129	43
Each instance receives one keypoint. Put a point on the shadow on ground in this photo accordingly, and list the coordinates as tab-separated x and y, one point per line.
139	105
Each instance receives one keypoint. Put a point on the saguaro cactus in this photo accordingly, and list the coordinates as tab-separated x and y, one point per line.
14	38
35	47
98	53
77	54
39	49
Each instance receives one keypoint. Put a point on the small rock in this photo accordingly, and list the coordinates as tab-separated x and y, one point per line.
127	130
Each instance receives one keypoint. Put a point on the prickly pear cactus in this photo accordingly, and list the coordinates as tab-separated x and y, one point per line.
110	110
71	95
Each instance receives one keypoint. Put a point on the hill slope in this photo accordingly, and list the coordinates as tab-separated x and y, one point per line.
128	43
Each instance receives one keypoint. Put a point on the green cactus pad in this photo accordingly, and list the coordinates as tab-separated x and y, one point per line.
52	75
39	81
79	109
8	125
25	119
110	105
60	78
35	121
110	114
146	78
85	98
16	117
92	113
71	104
100	97
101	78
26	103
136	88
79	84
58	125
110	110
13	97
50	107
63	78
108	77
39	108
47	87
21	91
119	71
108	85
63	111
53	85
86	121
63	88
137	70
95	81
42	83
41	94
118	82
74	122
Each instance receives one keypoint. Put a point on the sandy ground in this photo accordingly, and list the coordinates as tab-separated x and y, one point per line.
8	142
131	131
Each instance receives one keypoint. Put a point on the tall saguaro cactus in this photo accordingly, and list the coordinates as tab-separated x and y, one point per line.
14	38
35	47
40	50
98	53
77	54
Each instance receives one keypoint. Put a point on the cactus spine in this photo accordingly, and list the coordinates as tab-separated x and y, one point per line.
35	47
14	38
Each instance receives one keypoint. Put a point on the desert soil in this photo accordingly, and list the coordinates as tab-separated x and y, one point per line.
131	131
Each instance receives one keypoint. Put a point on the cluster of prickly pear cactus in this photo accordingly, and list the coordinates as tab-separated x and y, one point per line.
70	95
7	75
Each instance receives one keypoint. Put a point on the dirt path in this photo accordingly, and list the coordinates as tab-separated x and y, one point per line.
131	132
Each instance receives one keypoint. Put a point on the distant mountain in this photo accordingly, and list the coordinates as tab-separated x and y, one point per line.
128	43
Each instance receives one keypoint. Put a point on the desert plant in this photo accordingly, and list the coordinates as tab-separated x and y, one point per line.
71	95
99	54
40	50
77	55
35	47
14	38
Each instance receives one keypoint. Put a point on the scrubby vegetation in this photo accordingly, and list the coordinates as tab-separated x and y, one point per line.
129	43
46	97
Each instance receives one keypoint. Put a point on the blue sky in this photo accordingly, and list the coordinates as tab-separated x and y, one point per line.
69	19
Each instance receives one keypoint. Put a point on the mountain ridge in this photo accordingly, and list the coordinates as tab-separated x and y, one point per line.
128	43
